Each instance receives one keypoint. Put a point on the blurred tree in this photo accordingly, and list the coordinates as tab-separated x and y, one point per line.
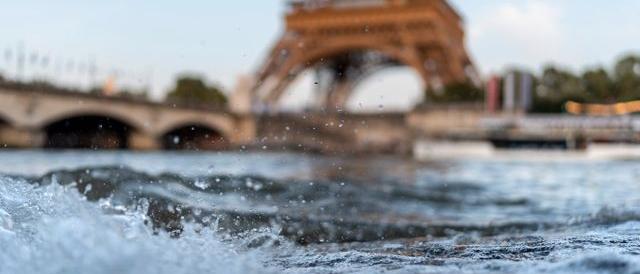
626	74
191	90
554	88
457	92
599	87
560	83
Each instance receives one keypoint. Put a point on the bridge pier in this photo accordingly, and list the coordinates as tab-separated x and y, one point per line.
13	137
245	130
143	142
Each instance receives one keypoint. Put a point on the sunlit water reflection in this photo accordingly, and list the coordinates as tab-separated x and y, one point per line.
121	212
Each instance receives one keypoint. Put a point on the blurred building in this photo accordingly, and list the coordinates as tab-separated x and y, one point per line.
511	93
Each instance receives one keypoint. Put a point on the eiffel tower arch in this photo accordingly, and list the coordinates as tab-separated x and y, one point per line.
345	41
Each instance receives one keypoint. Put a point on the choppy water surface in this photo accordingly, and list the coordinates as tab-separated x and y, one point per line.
91	212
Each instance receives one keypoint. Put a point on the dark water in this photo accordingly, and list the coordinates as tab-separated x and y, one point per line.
73	212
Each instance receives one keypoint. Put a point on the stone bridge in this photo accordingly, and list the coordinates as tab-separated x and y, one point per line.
60	119
70	120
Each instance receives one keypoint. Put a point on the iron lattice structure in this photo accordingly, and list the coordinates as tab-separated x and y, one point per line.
345	41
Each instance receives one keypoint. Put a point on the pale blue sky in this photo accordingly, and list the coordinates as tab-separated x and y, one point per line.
149	42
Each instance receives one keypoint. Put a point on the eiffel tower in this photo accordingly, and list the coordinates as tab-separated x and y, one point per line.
345	41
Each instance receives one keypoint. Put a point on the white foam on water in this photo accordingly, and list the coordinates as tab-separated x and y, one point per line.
53	229
600	262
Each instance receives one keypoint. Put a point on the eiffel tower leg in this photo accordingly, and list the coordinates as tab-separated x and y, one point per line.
340	93
323	85
276	80
420	65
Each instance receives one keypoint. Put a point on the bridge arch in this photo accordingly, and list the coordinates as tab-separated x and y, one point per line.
4	121
224	124
5	126
194	136
135	121
87	131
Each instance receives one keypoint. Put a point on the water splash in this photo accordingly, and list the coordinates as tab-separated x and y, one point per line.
511	219
53	229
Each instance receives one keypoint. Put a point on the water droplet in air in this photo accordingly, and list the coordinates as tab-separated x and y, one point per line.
88	188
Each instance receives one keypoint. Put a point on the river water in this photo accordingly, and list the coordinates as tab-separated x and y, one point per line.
122	212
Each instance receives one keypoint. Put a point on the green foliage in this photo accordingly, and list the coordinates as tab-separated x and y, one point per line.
555	86
193	91
597	85
459	92
557	83
627	78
